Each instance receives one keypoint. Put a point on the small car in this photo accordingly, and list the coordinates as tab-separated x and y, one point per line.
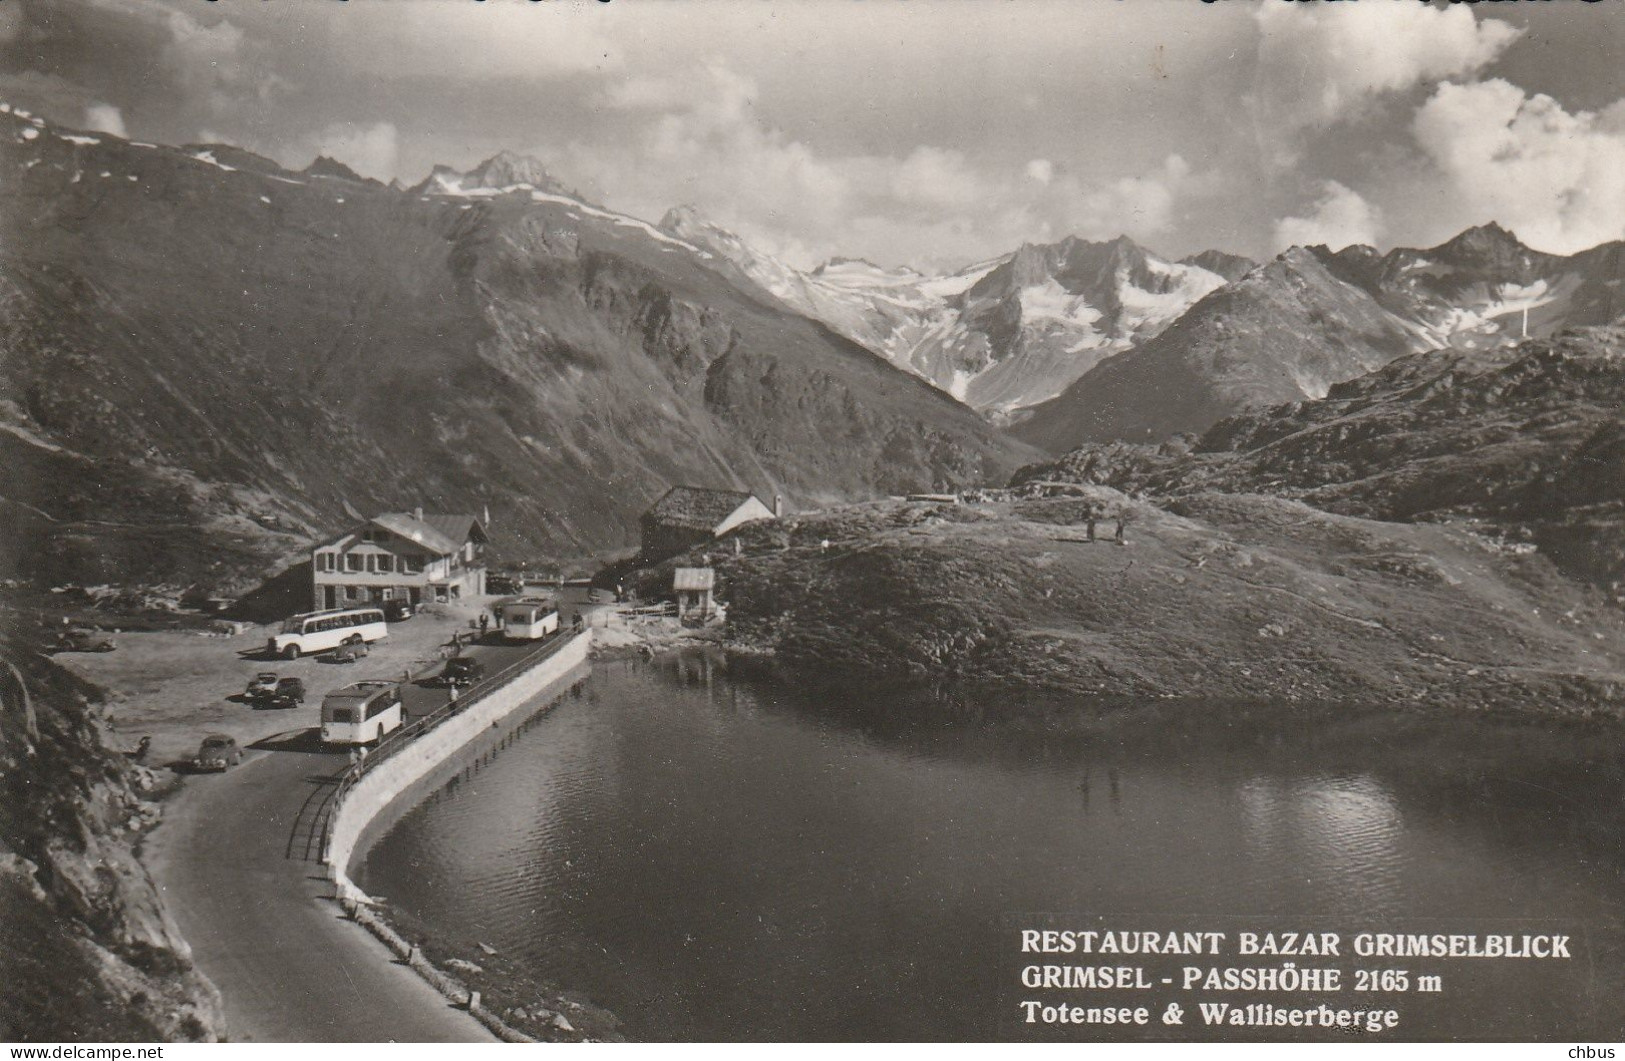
501	584
289	692
398	611
462	670
83	641
264	684
217	752
349	652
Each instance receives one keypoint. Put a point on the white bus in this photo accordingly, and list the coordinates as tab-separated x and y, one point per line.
320	631
361	713
529	618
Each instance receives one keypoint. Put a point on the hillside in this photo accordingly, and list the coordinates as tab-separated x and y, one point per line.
204	359
1312	318
1523	443
1216	598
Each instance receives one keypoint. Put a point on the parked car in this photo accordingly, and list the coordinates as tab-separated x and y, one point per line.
217	752
349	652
398	611
263	684
289	692
501	584
462	670
83	641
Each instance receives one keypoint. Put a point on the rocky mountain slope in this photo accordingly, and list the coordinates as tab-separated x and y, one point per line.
1287	330
1524	445
1000	335
89	951
204	359
1312	318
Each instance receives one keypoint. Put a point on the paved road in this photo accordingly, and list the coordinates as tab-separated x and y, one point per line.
236	858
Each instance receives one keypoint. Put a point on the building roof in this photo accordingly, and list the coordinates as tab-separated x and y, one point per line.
697	507
693	578
440	534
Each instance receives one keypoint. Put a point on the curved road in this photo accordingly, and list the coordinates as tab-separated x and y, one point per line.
237	861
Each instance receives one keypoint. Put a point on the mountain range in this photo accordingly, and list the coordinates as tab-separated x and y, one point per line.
1313	318
1000	335
206	359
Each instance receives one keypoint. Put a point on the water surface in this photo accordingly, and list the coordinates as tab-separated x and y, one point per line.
718	857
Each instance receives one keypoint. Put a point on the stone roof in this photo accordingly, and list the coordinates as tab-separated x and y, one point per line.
696	508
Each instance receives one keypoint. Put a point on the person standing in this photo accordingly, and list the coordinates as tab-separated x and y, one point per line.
485	624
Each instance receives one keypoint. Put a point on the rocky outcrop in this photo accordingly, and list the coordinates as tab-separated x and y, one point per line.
90	952
1213	598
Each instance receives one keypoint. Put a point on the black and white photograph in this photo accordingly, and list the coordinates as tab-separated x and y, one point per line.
812	521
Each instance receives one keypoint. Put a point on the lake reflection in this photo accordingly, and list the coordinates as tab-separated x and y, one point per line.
719	857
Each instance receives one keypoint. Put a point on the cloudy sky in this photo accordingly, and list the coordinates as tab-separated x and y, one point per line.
933	134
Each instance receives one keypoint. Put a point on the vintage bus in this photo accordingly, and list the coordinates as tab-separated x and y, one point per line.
361	713
313	632
529	618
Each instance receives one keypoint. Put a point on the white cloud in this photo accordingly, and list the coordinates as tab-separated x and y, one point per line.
105	118
1341	218
1555	178
480	42
702	139
370	150
1319	64
1140	206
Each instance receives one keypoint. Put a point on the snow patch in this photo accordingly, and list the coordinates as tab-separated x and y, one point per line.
944	287
30	133
74	138
208	157
1051	301
264	200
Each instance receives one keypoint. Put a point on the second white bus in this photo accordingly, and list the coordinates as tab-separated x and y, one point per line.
320	631
529	618
362	713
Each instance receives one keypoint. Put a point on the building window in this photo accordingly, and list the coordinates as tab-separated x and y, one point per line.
352	592
412	565
352	561
386	563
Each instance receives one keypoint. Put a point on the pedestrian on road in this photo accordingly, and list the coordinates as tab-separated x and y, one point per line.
485	624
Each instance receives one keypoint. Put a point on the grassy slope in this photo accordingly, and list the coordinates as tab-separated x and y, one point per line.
1222	598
